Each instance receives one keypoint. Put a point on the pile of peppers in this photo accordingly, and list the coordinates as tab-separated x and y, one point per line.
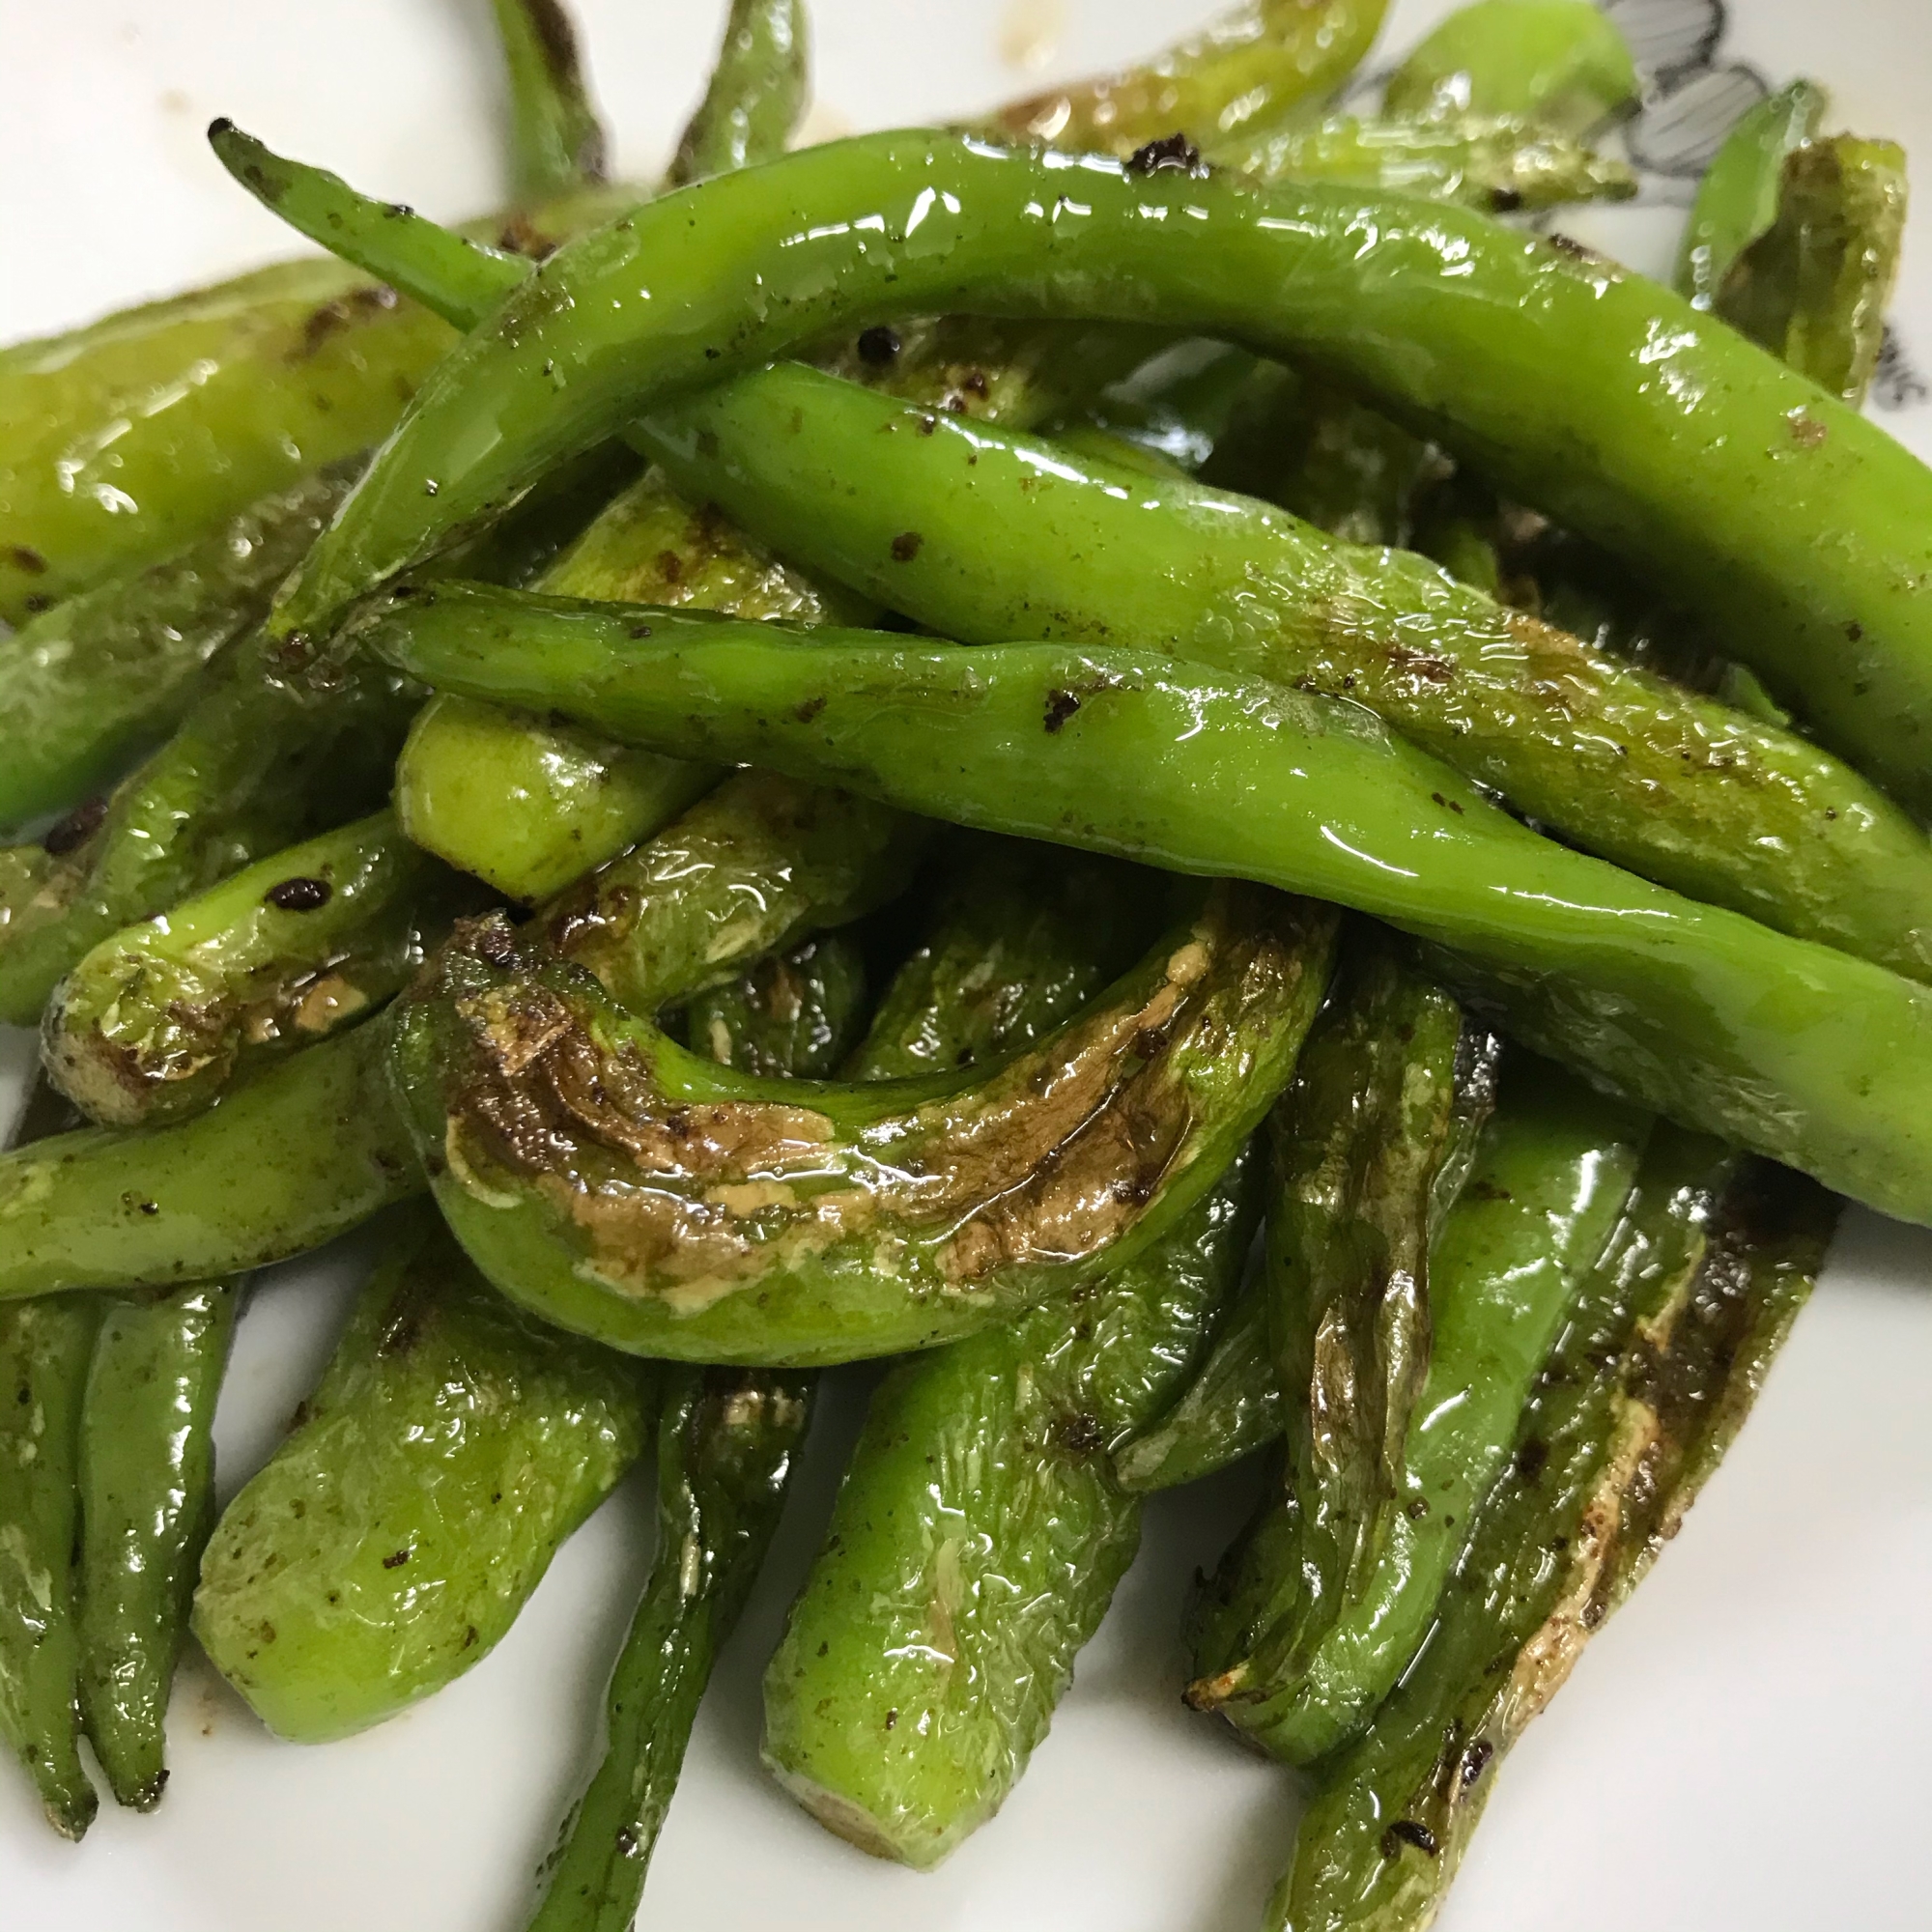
1139	754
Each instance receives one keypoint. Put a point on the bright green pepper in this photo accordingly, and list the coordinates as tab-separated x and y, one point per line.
557	142
85	686
1736	200
1556	1543
986	534
1814	288
155	1022
1296	1644
1248	67
757	94
1561	60
976	1542
1804	1054
261	761
726	1454
621	1188
147	1507
390	1541
1796	527
1497	161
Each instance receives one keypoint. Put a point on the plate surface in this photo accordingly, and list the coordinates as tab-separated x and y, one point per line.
1743	1747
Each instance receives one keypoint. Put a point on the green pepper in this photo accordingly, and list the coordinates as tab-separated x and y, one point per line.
96	679
391	1539
557	142
157	1021
1602	1455
1719	470
726	1446
796	1012
147	1507
986	534
1813	289
1736	200
261	761
1496	162
1799	1052
1312	1619
757	93
976	1542
1561	60
607	1178
1248	67
978	1534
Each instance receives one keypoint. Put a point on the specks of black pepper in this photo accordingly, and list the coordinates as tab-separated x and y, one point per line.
471	1638
879	346
1080	1434
1532	1459
150	1206
927	425
1449	804
892	1719
1505	200
1854	632
74	831
298	894
1416	1508
906	546
809	710
299	1416
1407	1831
395	1559
1171	151
25	557
1061	705
712	354
1831	811
975	382
1476	1761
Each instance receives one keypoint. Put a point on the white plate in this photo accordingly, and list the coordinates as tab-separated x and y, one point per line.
1743	1747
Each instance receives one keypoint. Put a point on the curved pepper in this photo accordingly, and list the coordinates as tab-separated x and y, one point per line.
1801	1053
605	1178
1796	529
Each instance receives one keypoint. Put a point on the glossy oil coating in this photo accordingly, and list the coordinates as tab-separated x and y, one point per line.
146	1506
557	142
1562	60
1019	537
760	88
87	685
157	1021
978	1533
1299	1648
1795	529
797	1012
609	1180
1599	1453
1804	1054
390	1541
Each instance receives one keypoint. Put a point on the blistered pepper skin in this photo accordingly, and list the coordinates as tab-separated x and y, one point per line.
1795	529
390	1541
1807	1055
607	1179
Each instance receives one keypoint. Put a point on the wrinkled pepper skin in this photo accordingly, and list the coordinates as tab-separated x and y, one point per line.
677	1209
1299	1651
797	1012
1600	1456
758	92
757	863
978	1533
391	1539
307	1150
154	1023
260	761
1247	67
1795	529
1802	1054
1009	537
123	442
147	1507
726	1448
976	1542
89	684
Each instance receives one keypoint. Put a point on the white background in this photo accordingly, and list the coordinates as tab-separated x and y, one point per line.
1743	1748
